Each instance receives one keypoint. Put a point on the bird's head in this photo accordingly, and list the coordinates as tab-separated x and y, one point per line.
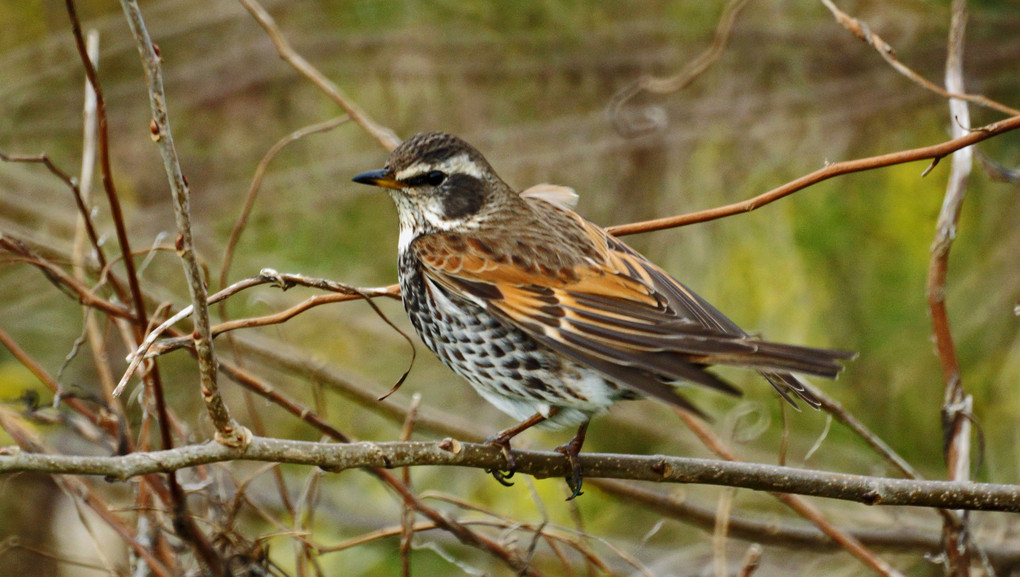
439	183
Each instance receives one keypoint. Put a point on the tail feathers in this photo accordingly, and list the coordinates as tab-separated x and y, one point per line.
786	383
778	358
777	363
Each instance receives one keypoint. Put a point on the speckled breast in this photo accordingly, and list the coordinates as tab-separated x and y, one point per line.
506	366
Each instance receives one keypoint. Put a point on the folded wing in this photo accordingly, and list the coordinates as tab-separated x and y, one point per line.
609	308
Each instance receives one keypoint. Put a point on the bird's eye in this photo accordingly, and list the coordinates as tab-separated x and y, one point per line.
435	178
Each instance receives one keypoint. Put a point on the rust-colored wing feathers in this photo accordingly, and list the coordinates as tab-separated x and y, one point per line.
613	310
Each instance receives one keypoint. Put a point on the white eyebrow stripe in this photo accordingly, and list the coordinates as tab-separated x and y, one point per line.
413	170
460	164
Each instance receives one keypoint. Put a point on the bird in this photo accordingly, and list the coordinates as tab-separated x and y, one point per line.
550	318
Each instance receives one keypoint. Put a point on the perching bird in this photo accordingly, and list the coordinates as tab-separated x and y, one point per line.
550	318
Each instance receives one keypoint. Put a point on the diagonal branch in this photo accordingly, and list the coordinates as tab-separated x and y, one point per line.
864	33
934	152
265	276
631	125
384	135
256	183
800	506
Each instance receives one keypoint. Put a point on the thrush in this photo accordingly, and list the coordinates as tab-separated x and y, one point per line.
549	317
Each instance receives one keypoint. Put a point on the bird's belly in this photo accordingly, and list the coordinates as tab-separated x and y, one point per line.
508	368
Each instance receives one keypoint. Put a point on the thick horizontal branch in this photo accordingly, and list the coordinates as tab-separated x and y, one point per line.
541	464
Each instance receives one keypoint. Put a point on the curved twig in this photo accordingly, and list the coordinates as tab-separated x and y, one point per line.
383	135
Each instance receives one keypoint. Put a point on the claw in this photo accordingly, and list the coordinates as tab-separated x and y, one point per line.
502	475
502	440
571	450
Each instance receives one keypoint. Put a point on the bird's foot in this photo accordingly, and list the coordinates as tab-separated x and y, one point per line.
502	476
502	440
572	451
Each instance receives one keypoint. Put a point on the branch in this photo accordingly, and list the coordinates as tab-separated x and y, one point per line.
62	280
337	457
935	152
227	430
452	526
864	33
956	408
76	192
767	531
800	506
256	183
384	135
653	120
266	276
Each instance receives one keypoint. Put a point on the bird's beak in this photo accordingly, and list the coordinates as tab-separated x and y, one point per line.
382	177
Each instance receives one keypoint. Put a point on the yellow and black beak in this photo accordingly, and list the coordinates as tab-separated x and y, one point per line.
382	177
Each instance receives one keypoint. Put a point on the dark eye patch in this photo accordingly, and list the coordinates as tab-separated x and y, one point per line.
462	195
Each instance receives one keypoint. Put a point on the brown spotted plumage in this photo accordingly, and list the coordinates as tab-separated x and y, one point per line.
549	317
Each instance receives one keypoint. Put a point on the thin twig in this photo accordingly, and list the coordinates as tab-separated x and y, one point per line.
934	152
788	535
797	504
167	345
120	226
76	192
7	341
227	430
153	380
265	276
383	135
497	521
834	408
62	280
356	388
752	559
407	512
84	227
458	530
627	124
864	33
30	442
256	183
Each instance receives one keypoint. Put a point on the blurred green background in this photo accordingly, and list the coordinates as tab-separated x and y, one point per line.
842	264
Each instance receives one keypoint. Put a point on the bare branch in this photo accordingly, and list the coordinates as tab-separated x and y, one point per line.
28	440
956	408
383	135
864	33
452	526
934	152
265	276
649	121
78	194
227	430
256	183
542	464
62	280
797	504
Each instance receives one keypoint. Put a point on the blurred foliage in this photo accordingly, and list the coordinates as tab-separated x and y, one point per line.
842	264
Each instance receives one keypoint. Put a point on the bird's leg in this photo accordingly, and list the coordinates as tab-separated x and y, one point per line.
502	440
572	449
